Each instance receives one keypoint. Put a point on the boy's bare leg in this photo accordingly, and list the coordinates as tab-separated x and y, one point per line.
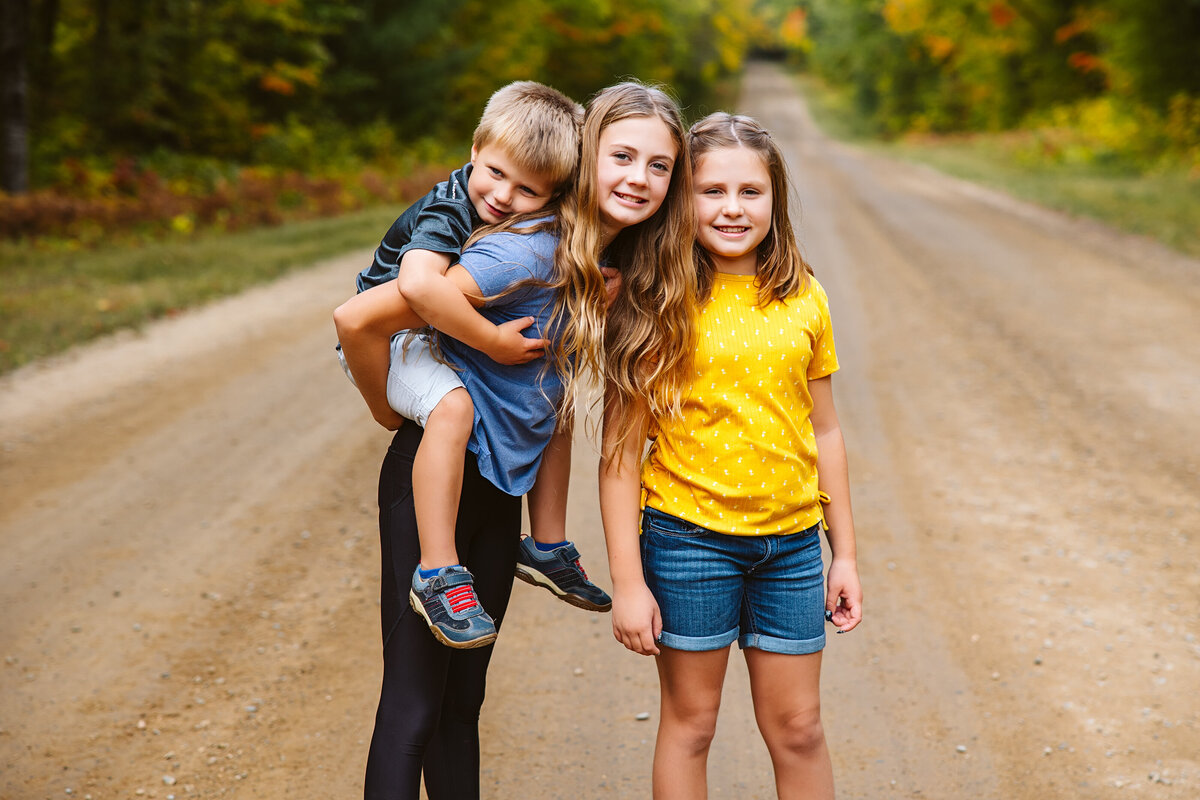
548	497
438	476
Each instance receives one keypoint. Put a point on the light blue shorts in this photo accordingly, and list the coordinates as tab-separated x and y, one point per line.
713	588
417	381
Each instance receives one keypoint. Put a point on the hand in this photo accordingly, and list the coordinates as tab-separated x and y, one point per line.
510	346
612	283
636	620
844	595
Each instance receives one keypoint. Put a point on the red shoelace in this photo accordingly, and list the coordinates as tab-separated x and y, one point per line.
461	598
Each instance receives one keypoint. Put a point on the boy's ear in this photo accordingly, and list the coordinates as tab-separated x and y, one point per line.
474	153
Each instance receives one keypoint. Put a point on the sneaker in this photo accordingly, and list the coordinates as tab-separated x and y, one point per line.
560	572
448	603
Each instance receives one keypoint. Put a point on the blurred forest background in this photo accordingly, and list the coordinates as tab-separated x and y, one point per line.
229	112
126	123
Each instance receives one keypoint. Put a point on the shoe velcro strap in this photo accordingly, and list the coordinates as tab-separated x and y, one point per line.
567	553
445	580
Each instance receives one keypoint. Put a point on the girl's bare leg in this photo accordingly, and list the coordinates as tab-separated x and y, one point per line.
787	705
690	684
437	477
547	500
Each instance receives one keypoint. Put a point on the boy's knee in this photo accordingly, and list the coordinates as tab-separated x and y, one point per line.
455	409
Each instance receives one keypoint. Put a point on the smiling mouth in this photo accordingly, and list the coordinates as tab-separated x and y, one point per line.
495	211
731	229
628	198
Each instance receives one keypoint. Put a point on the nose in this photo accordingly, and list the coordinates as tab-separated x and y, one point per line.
502	193
733	205
637	175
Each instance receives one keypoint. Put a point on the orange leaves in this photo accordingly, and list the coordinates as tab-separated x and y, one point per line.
1071	30
794	30
1002	14
1086	62
939	47
273	83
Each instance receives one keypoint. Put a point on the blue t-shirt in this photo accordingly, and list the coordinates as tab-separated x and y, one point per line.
440	222
514	405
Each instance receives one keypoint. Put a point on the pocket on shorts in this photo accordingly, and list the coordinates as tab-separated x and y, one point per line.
655	521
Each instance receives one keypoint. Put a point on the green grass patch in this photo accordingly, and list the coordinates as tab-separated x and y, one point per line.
1163	204
56	296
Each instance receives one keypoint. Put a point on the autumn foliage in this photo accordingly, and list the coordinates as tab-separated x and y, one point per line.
1114	81
145	119
132	202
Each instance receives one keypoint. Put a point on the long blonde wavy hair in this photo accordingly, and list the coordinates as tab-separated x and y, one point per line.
782	271
649	333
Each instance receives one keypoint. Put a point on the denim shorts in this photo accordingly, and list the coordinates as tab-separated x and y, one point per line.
712	588
417	381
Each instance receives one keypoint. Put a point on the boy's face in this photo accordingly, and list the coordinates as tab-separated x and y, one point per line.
498	188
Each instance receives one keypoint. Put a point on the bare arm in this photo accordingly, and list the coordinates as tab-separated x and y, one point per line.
635	615
844	596
424	284
365	324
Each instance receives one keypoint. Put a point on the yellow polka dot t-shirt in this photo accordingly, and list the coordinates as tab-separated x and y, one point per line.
742	457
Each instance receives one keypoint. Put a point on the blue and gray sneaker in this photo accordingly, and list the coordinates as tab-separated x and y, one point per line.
448	603
559	571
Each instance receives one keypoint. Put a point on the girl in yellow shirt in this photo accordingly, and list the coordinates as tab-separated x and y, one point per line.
729	498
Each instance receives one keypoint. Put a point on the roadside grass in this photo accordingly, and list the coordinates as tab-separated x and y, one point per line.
1163	204
53	296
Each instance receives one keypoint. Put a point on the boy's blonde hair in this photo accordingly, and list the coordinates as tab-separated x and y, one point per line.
537	126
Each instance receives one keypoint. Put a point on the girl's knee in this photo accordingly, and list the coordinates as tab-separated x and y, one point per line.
799	733
692	732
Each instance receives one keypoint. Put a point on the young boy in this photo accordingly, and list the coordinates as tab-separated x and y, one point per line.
523	155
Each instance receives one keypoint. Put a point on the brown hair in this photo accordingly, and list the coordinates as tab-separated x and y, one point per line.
782	271
650	328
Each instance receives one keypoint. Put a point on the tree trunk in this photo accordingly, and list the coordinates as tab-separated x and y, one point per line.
14	97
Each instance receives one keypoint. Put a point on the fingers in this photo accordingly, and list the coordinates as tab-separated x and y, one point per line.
536	346
640	640
845	613
533	350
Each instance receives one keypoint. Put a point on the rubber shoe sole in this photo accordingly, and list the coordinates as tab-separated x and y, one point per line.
419	607
535	578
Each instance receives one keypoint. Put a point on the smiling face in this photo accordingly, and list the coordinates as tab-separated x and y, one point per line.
498	188
633	171
733	207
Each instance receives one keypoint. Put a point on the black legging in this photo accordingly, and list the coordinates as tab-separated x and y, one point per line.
428	717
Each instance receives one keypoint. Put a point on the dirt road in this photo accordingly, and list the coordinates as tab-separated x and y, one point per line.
189	580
